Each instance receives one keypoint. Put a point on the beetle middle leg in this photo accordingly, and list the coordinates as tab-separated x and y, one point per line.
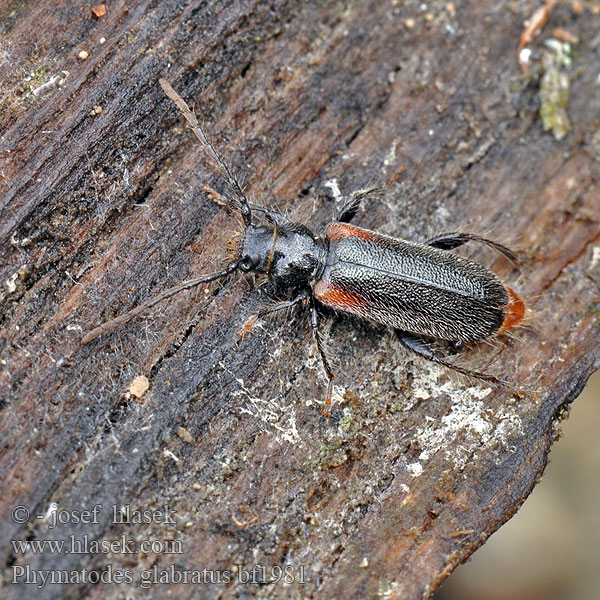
421	348
350	208
449	241
330	376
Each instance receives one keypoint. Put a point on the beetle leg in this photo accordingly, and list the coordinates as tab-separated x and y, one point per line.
350	209
330	376
448	241
422	349
251	322
215	196
271	215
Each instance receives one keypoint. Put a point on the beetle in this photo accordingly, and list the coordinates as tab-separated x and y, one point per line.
422	290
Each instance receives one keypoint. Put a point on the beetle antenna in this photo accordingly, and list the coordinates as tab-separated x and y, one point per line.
221	166
134	312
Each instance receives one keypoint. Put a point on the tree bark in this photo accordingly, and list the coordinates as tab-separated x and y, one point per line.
102	207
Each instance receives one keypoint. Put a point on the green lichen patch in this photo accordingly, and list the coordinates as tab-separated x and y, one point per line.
555	88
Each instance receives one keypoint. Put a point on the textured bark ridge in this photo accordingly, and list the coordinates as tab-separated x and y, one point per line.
102	207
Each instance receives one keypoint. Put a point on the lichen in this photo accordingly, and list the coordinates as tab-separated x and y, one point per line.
555	88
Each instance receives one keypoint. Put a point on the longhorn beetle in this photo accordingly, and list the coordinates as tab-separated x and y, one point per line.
420	289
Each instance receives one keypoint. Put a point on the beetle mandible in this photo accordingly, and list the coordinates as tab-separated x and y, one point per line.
420	289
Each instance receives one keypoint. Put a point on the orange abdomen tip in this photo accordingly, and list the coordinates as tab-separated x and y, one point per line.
514	311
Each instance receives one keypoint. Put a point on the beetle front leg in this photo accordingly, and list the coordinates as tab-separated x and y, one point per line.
449	241
271	215
251	322
350	208
330	376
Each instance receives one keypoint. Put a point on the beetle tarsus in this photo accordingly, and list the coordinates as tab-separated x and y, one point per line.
216	197
326	412
248	326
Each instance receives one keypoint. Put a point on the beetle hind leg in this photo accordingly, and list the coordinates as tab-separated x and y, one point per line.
449	241
421	348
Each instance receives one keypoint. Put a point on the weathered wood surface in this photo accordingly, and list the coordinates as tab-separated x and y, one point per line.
416	468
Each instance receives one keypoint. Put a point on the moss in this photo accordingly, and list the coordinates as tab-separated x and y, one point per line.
346	444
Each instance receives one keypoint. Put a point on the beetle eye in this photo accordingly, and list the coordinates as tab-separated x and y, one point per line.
247	263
